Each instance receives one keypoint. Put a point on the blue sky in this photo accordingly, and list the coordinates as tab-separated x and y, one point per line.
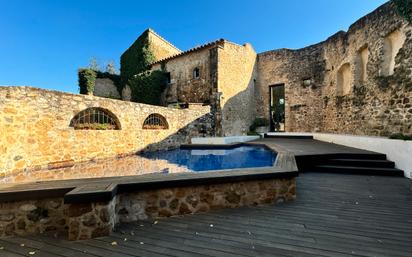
43	43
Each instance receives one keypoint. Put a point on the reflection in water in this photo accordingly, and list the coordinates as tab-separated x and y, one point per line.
172	161
199	160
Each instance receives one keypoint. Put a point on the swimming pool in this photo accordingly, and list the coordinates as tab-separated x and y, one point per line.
200	160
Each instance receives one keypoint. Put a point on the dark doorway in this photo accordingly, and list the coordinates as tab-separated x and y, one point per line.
277	108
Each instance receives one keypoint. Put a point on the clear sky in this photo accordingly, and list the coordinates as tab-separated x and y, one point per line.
43	43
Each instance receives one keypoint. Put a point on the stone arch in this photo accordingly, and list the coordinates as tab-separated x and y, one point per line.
95	118
155	121
361	64
344	80
391	46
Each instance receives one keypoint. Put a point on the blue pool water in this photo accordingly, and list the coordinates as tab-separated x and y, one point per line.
199	160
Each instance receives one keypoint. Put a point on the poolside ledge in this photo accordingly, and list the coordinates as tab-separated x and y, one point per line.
88	208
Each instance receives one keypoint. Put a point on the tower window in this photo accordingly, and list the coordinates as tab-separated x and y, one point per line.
196	73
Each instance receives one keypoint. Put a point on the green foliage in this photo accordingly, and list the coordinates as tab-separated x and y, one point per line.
259	122
136	59
404	8
87	80
400	136
95	126
147	87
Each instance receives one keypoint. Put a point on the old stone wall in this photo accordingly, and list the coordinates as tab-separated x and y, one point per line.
35	131
360	80
160	47
235	85
184	86
303	103
106	88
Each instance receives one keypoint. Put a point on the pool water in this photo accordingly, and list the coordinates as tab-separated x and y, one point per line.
200	160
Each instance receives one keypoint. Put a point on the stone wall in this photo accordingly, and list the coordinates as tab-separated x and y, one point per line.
361	80
32	217
106	88
236	82
89	220
183	86
36	134
160	47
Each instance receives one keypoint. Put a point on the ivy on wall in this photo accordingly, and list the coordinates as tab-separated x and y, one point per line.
136	59
404	8
148	86
87	80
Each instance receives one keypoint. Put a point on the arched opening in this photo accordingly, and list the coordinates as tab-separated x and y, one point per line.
391	46
95	118
344	80
155	121
361	64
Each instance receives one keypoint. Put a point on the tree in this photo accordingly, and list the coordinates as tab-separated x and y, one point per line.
93	64
111	67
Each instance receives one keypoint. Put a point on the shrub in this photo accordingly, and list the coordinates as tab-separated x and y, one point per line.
148	86
400	136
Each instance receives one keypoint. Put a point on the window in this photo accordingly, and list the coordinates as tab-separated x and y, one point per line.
95	119
168	78
196	73
155	121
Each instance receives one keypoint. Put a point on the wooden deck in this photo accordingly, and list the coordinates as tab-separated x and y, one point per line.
334	215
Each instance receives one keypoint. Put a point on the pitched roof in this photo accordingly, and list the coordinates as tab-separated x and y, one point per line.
194	49
162	38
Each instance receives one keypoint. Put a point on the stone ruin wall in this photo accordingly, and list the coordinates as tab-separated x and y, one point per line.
36	134
361	80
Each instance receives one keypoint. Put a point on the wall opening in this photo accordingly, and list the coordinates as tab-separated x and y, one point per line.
95	119
196	73
361	64
277	107
344	80
391	46
155	121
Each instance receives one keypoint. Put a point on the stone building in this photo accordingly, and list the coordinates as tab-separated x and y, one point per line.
355	82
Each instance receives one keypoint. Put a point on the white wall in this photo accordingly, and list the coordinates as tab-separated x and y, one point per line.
398	151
